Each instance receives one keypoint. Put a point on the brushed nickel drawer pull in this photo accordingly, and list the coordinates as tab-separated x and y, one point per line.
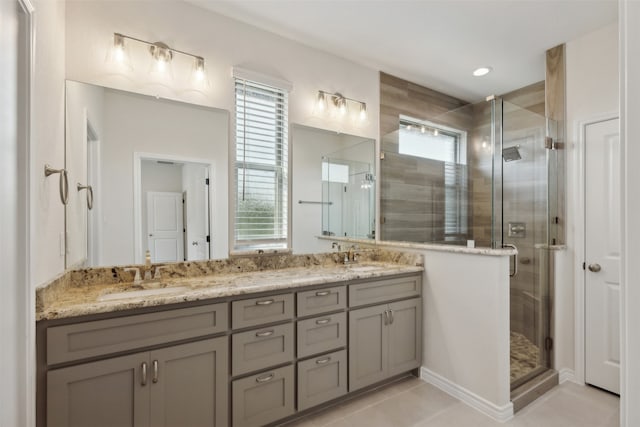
155	372
323	361
265	378
322	293
265	302
144	373
323	321
264	334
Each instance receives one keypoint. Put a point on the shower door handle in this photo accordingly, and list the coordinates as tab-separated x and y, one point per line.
515	258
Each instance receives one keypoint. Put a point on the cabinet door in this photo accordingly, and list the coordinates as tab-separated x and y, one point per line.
189	384
405	336
368	348
105	393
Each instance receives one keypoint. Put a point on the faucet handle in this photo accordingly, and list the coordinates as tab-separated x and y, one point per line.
136	278
157	272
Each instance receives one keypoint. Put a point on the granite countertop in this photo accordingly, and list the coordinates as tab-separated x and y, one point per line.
437	247
93	291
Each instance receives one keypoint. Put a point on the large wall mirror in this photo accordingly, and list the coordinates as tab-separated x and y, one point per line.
333	190
146	174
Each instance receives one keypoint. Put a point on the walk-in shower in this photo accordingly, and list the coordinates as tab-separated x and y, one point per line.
483	172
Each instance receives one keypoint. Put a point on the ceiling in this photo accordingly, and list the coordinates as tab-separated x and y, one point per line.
434	43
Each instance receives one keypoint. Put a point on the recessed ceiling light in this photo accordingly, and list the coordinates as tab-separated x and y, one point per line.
482	71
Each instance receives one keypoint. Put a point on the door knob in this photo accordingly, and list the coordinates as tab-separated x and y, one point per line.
595	267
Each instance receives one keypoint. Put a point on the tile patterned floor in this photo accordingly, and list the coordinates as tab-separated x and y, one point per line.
411	402
524	356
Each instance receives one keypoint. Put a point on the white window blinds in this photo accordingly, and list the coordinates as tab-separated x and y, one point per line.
261	166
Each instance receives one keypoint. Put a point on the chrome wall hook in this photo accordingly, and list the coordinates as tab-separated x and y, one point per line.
63	185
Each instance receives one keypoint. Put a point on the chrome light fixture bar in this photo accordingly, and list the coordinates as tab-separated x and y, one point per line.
340	102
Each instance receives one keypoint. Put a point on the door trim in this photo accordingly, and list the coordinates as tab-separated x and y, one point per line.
138	157
579	201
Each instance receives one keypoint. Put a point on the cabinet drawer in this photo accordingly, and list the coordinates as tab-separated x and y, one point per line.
321	334
384	290
263	398
321	301
101	337
258	311
260	348
322	379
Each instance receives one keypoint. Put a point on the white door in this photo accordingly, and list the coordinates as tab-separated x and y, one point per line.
165	232
602	255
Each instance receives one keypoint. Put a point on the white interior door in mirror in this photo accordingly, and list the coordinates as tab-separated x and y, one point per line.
165	231
125	124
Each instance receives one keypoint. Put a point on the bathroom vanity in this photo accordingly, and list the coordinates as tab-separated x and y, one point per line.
248	348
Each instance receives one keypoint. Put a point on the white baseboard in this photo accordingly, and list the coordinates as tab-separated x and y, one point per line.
499	413
566	374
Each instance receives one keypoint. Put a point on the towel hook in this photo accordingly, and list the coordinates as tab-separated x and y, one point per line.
63	184
89	189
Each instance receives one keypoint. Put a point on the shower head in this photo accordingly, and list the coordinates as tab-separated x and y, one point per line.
510	154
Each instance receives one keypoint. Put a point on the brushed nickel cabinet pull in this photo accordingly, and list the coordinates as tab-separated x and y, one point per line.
323	321
265	302
322	293
144	373
265	378
390	316
386	317
155	371
264	334
323	361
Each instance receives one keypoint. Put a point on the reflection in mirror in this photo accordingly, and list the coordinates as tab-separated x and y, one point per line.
315	153
174	218
137	151
348	193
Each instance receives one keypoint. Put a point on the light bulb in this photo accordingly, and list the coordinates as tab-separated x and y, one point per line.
322	101
161	56
409	127
342	106
363	112
423	129
435	132
199	74
118	54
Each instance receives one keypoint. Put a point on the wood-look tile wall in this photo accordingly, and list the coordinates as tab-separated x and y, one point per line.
412	188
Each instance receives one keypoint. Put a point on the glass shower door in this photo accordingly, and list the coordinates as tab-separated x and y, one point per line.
521	219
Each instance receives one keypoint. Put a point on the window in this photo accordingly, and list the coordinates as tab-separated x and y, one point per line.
261	208
448	145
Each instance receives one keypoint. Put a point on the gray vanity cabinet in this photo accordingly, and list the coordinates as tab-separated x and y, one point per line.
384	340
183	385
104	393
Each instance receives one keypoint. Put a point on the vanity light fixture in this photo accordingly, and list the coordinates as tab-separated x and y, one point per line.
162	55
482	71
340	102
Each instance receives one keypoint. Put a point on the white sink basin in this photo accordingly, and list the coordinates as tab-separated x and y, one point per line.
142	293
364	268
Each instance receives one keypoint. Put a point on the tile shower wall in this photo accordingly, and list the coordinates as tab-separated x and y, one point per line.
412	188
